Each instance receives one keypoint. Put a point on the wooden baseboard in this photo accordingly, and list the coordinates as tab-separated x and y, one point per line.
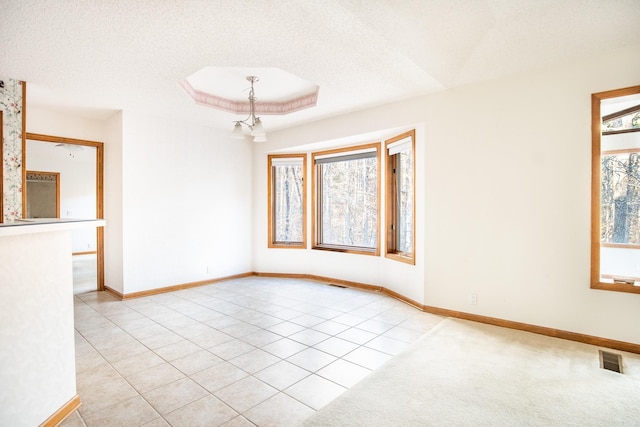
84	253
175	287
542	330
551	332
62	413
557	333
113	292
323	279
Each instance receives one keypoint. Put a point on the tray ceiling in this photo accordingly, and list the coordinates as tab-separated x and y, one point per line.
97	57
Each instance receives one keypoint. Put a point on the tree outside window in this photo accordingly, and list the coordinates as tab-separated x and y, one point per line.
620	198
615	222
346	194
287	195
400	200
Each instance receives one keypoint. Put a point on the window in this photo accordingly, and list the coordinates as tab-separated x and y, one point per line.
400	200
346	199
615	188
287	196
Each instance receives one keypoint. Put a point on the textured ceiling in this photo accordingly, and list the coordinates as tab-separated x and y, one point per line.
95	57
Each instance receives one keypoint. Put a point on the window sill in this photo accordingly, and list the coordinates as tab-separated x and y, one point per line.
401	257
616	287
347	249
279	245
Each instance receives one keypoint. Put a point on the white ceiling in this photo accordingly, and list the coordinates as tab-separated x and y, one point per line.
93	57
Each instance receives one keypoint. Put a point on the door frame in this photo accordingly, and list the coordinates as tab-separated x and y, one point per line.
99	190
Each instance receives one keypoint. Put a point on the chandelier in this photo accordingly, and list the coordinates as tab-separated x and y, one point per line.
252	122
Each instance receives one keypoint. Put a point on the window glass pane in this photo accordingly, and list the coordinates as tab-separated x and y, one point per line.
630	121
615	231
620	194
288	202
619	210
404	201
349	202
400	198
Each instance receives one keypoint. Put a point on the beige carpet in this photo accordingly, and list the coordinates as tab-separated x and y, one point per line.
464	373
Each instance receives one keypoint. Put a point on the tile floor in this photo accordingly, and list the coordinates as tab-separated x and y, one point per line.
85	274
253	351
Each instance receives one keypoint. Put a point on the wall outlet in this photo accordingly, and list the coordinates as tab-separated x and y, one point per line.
473	298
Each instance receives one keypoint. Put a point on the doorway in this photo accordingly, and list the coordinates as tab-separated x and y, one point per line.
79	165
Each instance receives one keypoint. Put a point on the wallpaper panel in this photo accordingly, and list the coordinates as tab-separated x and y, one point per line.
12	106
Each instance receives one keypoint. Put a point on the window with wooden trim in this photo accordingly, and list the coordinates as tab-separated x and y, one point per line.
615	210
346	199
400	197
287	200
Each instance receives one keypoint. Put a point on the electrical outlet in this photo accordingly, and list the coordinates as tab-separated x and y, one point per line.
473	298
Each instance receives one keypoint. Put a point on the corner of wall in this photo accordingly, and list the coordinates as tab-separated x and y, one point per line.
113	203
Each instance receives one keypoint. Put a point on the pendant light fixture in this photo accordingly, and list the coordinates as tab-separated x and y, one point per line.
252	122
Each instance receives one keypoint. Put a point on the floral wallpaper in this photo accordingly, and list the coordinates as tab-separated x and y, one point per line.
11	104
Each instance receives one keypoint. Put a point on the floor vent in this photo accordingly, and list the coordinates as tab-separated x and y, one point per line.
610	361
337	286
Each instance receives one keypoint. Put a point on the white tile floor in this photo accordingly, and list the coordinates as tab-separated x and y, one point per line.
253	351
85	274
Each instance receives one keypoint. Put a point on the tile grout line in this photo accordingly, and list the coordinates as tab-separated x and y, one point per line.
189	298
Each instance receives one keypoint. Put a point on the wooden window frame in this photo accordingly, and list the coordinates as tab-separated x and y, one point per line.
272	243
316	217
391	211
596	141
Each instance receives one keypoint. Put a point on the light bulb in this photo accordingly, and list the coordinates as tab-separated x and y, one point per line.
237	131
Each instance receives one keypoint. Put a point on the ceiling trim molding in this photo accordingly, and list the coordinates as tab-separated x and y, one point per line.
243	107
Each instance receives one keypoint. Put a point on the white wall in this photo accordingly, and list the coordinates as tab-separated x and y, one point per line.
177	198
186	203
505	199
113	252
37	358
59	123
513	220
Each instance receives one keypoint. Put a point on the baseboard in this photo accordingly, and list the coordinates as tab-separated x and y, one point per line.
323	279
175	287
84	253
62	413
347	283
402	298
557	333
551	332
542	330
113	292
